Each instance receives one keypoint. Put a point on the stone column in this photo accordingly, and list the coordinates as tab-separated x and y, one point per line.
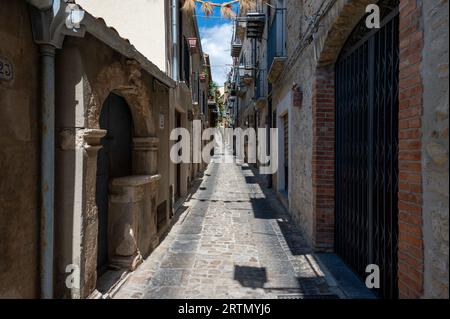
145	155
89	218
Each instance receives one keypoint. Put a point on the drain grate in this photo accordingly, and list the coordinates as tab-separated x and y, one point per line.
309	297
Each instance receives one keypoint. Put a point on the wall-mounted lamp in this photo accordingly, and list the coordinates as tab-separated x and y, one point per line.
192	42
74	16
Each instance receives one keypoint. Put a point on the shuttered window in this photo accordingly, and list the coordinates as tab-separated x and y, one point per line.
286	151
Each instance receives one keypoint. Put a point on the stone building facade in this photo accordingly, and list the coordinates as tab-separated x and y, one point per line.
172	53
192	95
434	146
19	156
246	88
87	189
306	77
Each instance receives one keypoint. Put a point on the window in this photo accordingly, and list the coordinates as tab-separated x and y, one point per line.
286	152
204	102
185	74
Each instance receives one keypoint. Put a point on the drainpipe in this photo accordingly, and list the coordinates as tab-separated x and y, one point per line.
175	39
51	21
47	167
43	15
175	77
269	139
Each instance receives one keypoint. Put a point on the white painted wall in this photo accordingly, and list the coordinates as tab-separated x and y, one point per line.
140	21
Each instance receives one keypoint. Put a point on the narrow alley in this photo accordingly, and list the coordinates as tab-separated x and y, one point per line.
336	109
233	239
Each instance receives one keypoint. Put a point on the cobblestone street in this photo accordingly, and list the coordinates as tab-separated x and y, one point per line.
224	149
234	240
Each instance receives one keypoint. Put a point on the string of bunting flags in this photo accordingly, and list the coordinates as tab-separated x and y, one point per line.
226	8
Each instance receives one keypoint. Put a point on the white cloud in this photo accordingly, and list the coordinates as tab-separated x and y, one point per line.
216	42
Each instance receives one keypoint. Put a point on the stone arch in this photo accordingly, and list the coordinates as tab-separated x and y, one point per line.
342	19
129	194
127	82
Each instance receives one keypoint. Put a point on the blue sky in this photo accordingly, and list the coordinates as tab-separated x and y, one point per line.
216	32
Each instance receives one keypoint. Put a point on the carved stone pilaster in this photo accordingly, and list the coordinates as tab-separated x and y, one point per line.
91	139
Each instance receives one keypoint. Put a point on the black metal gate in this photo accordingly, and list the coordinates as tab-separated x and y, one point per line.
367	149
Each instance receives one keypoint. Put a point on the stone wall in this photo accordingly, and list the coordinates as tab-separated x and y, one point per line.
19	156
88	71
304	57
246	110
435	148
161	109
423	126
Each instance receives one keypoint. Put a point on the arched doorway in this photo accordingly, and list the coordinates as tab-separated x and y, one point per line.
367	92
114	160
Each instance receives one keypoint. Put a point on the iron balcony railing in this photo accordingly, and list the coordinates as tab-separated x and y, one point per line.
255	24
246	73
276	44
261	85
236	48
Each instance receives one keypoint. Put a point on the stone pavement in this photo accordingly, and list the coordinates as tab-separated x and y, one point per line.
234	240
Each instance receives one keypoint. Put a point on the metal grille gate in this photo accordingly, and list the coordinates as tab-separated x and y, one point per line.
366	224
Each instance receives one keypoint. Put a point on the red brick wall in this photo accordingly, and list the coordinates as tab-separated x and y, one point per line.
323	106
410	252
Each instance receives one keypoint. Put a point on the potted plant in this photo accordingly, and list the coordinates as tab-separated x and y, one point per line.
232	89
203	76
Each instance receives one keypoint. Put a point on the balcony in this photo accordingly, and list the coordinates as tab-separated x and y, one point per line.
246	74
236	48
260	97
276	45
241	26
255	24
211	103
241	90
233	91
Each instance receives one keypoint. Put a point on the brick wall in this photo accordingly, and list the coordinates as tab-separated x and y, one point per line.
323	105
410	252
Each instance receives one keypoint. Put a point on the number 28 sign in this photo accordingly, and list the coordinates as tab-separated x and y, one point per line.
6	70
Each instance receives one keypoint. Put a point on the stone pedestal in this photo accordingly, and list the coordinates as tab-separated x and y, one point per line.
130	221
